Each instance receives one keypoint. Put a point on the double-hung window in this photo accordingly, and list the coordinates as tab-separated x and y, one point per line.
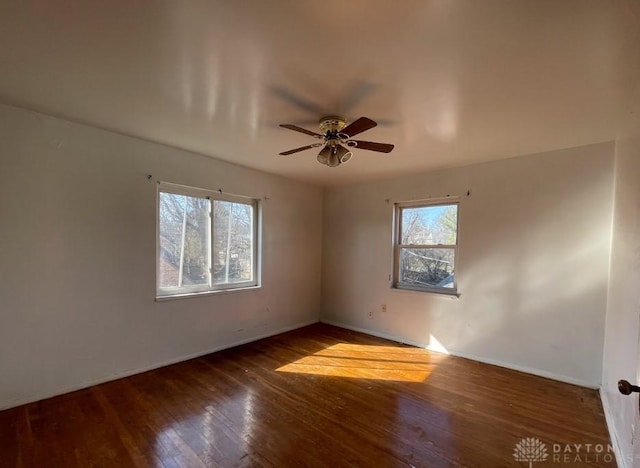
207	241
425	246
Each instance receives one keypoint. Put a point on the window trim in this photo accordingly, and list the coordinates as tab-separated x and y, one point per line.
397	247
176	292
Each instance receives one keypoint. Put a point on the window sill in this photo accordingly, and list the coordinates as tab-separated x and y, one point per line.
205	293
443	294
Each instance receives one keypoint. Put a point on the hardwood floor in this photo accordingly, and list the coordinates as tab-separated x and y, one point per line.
318	396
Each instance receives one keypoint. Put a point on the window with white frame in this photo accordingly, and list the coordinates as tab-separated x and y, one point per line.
207	241
425	246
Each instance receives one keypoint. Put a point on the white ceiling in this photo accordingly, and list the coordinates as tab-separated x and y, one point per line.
451	82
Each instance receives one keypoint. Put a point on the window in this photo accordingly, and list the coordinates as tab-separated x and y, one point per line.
426	243
207	241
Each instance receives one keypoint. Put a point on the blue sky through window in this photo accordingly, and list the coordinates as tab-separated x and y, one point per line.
431	214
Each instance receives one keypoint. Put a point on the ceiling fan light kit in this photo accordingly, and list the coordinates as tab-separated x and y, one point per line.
344	155
336	134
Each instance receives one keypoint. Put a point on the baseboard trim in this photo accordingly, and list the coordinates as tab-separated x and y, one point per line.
527	370
120	375
386	336
613	433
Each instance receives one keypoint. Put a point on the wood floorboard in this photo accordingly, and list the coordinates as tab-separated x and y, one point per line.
318	396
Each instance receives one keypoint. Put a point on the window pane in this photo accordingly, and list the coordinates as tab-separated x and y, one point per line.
184	240
232	242
427	267
429	225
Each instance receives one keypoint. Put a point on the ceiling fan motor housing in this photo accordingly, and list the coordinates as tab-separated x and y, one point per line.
332	124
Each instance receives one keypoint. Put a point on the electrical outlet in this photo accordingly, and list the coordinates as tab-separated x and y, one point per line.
370	314
384	307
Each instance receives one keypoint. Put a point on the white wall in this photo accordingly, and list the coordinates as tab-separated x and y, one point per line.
77	249
623	308
532	268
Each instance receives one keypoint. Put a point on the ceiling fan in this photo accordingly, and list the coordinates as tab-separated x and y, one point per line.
336	139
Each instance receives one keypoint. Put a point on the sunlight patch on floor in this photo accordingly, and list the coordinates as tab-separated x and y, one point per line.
395	363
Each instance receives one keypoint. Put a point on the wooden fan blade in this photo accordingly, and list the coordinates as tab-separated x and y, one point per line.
361	125
372	146
302	148
301	130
